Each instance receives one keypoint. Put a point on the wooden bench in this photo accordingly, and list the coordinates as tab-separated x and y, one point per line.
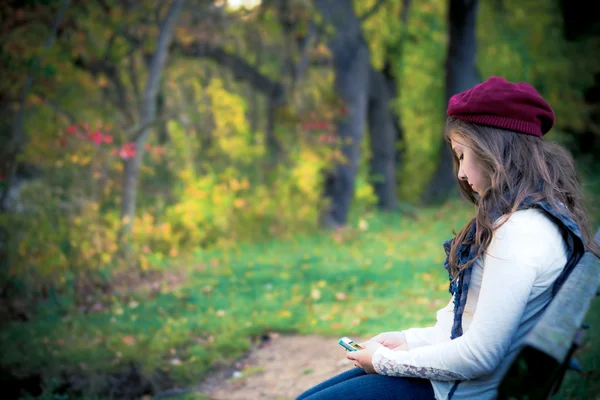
547	354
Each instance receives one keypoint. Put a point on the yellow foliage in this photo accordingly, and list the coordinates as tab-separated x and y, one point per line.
382	28
232	131
307	173
421	106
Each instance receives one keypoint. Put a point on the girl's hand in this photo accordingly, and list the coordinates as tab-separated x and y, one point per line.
364	358
391	340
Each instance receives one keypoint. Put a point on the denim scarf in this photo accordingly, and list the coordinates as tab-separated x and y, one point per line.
460	287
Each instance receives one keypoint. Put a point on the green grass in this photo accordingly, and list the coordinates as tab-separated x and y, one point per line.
389	276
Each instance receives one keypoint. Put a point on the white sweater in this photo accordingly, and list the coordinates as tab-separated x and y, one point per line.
508	291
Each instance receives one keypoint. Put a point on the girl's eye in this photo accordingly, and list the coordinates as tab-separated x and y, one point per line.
461	157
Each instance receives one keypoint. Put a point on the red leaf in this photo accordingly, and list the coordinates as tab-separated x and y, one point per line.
71	130
128	151
96	137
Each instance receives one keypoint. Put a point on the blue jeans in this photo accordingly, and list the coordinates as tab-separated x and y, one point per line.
356	384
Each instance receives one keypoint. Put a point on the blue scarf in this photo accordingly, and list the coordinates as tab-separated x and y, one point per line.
460	287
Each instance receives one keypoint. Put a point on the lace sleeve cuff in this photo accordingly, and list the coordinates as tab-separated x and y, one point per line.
396	363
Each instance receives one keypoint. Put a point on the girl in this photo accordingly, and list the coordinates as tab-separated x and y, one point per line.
504	266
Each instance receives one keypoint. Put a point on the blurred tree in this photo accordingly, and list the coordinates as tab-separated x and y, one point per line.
14	132
129	32
461	75
14	105
385	130
352	66
148	115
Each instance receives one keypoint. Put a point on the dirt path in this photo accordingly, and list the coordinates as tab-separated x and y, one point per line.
281	369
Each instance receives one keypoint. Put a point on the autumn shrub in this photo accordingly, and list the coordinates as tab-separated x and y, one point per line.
58	246
63	231
228	191
221	209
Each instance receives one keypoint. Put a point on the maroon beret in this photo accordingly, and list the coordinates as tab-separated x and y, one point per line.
496	102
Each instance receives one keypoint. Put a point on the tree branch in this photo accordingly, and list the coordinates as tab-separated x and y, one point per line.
148	115
371	12
111	72
405	9
158	60
60	111
138	130
240	68
304	50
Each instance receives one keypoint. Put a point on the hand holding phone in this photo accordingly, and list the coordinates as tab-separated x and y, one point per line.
349	344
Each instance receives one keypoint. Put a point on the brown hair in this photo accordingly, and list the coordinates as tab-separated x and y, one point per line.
523	165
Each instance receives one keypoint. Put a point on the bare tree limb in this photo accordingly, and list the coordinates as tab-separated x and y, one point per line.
135	132
148	115
240	68
372	11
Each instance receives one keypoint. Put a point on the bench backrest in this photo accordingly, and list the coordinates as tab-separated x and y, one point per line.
538	370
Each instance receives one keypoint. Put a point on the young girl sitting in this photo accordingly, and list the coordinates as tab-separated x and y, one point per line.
505	265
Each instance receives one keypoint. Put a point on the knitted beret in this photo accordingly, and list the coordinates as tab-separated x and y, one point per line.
496	102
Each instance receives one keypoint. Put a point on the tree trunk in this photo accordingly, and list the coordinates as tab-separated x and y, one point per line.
148	114
382	131
461	75
18	139
273	146
351	62
163	131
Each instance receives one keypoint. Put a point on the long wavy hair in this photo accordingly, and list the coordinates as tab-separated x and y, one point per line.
520	165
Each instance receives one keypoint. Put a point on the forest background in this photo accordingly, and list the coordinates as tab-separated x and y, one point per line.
154	150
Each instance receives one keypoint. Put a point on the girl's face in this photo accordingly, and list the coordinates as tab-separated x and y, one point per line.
470	169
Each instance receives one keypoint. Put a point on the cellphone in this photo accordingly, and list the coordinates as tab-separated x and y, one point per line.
349	344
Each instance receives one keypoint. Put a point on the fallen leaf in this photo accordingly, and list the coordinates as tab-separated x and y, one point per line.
315	294
128	340
341	296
